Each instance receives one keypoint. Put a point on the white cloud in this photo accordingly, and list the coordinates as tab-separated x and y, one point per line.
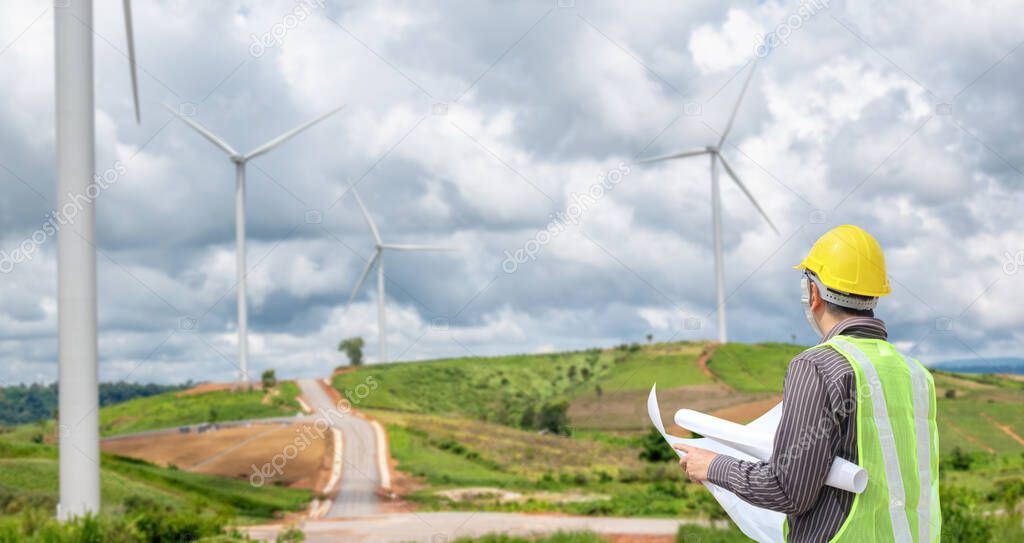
831	131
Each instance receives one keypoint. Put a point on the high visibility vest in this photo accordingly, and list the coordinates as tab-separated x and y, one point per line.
897	443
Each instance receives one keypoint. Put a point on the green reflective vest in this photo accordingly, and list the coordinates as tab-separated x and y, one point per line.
897	443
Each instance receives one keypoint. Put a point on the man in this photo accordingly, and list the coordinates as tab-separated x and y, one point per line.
852	396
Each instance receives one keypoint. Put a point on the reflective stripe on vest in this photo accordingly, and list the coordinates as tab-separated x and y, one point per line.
893	477
922	430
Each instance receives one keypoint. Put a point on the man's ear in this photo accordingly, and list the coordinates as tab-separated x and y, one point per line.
816	300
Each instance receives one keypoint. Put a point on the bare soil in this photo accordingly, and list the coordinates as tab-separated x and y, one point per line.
231	452
626	410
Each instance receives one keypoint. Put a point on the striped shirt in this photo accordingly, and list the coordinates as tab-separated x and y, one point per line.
819	422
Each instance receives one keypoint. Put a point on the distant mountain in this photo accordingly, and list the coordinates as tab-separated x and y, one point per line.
983	365
28	403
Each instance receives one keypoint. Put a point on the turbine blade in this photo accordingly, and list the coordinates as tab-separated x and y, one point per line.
289	135
680	154
131	57
732	174
204	132
362	278
736	108
366	215
405	247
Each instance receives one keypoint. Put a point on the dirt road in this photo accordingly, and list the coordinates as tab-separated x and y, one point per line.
360	478
448	526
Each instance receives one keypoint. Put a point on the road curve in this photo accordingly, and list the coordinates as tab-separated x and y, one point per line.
360	478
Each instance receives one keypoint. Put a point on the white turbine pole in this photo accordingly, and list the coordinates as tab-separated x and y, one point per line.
716	199
240	271
381	324
378	258
716	220
76	264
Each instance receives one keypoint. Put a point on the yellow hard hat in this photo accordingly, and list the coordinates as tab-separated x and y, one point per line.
849	260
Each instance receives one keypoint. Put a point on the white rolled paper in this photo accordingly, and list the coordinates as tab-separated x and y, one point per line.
757	440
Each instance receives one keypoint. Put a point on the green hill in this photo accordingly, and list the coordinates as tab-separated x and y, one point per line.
175	409
607	388
495	389
29	477
758	367
20	404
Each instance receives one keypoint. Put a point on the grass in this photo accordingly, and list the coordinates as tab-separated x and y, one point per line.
686	534
495	389
669	365
758	367
453	425
29	481
169	409
548	472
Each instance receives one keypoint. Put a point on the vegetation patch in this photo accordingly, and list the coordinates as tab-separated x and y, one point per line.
169	410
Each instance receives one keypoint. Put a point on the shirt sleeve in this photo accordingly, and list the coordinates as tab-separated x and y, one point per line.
789	482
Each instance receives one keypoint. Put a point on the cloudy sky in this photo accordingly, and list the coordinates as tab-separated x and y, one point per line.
473	124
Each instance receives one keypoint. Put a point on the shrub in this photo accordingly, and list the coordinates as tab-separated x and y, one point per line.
269	379
654	449
960	519
554	417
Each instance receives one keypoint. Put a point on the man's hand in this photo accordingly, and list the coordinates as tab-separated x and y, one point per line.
696	462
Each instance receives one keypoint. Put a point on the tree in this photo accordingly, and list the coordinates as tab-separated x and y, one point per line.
353	349
527	420
650	338
269	379
654	449
554	417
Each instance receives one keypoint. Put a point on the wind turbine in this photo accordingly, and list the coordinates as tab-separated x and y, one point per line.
715	151
78	401
240	159
378	258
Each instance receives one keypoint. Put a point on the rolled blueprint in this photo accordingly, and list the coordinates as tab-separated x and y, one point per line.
757	440
757	523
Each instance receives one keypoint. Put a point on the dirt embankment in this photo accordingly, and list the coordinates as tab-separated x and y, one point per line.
231	452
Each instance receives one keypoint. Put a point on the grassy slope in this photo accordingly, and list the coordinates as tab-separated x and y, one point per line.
169	410
669	365
496	389
602	478
447	451
753	367
28	479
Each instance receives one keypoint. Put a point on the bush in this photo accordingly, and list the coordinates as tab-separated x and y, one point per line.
554	417
961	522
155	525
654	449
269	379
959	460
702	534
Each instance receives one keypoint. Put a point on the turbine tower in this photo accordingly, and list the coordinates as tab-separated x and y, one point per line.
240	160
78	402
378	258
715	152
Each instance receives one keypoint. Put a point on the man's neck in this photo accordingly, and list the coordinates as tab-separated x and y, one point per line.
829	322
